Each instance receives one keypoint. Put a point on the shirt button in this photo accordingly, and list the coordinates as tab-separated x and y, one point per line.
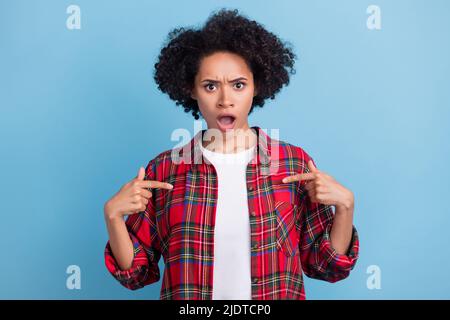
255	280
255	246
253	213
250	188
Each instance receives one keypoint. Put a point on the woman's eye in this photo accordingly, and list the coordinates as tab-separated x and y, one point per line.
240	83
208	86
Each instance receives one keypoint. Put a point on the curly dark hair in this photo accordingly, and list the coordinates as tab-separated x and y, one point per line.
269	58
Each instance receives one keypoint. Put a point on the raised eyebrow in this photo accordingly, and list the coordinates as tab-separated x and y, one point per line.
215	81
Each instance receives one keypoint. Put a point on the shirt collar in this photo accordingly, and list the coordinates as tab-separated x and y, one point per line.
191	152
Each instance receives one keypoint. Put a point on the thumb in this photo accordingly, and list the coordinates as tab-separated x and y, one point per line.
311	166
141	174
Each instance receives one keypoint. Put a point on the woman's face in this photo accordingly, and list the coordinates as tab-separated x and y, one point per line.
224	90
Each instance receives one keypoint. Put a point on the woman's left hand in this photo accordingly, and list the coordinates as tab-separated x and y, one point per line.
323	188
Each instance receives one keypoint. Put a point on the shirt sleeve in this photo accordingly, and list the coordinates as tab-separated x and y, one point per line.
143	234
319	259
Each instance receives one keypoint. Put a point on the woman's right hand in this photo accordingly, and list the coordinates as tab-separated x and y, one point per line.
133	197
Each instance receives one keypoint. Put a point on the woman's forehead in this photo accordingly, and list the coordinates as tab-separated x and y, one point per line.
222	64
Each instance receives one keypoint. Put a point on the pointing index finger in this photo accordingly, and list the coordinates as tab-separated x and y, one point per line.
156	184
298	177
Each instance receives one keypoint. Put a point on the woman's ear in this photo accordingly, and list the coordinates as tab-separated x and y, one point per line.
193	96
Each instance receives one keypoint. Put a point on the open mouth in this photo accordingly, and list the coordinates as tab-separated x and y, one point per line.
226	122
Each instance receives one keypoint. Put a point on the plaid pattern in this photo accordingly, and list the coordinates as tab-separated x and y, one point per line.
290	235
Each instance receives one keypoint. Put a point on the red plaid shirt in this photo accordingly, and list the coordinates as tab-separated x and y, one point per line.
290	235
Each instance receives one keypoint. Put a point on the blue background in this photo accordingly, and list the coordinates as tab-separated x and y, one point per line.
80	113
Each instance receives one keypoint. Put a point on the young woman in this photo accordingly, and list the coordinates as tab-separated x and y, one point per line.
234	213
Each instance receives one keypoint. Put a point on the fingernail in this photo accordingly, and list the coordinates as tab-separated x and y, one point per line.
284	180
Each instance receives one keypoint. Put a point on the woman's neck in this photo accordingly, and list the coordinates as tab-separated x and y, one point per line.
232	141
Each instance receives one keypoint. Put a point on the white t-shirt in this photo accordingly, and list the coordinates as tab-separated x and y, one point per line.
232	253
